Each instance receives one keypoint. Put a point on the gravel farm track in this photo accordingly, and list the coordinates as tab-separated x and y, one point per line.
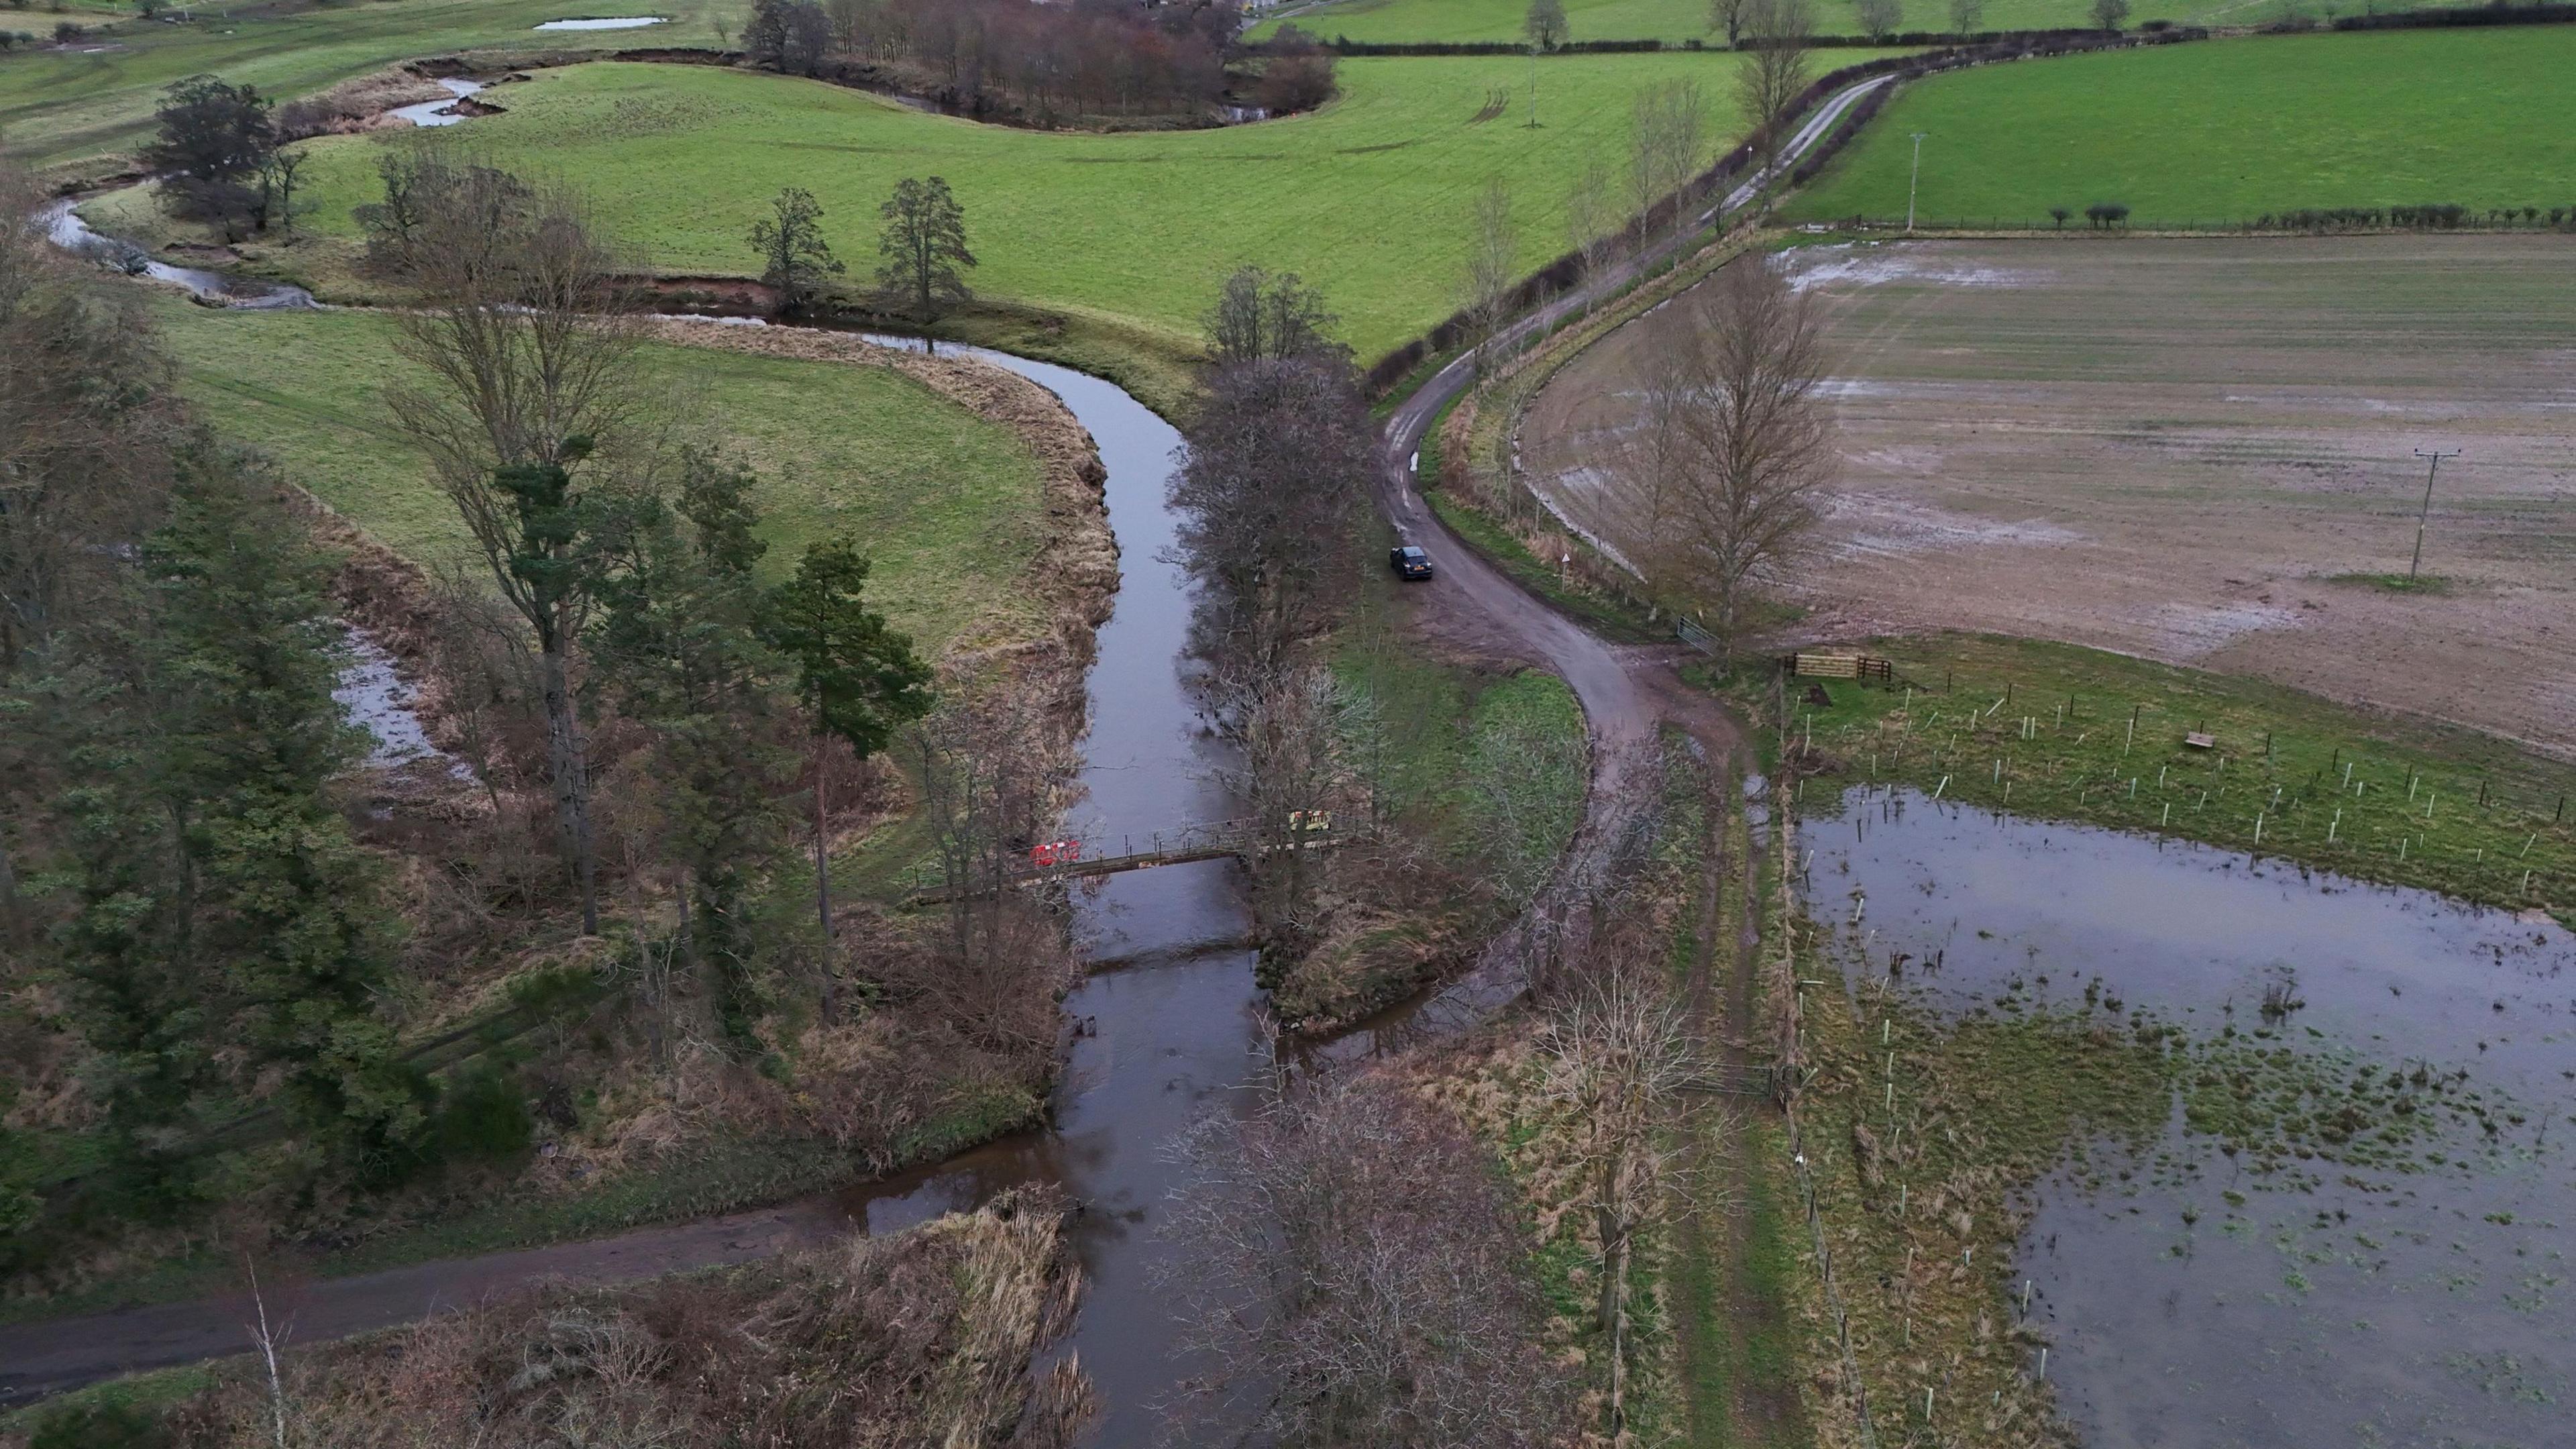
2201	451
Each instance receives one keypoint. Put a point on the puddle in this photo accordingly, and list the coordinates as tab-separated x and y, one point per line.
441	113
375	699
621	22
2428	1300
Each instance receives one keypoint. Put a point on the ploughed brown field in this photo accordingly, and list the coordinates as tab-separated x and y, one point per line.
2191	450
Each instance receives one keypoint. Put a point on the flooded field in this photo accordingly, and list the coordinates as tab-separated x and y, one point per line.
2355	1230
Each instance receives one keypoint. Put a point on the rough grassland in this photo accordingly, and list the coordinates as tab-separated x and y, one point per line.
1371	197
63	108
2228	131
946	503
2197	450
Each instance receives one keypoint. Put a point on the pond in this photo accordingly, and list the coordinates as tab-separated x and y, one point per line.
2303	1298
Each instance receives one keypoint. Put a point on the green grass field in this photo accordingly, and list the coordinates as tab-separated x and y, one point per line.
73	109
946	503
1674	21
1370	197
2230	130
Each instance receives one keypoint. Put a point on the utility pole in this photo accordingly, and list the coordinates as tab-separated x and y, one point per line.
1533	120
2436	456
1912	183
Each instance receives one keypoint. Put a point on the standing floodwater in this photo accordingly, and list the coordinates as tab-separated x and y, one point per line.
1174	1009
2317	1296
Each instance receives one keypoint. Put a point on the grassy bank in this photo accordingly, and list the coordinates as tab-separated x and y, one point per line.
1371	197
84	108
947	503
2364	795
2228	131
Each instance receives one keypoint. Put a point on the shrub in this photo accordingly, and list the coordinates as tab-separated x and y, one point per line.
2059	215
2106	213
66	31
100	1426
484	1118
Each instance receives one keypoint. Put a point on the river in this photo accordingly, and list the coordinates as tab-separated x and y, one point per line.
1172	1019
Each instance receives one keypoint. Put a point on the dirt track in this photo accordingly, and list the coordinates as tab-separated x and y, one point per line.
2172	448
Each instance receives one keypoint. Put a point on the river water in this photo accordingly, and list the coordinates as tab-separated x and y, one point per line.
1177	1019
2430	1301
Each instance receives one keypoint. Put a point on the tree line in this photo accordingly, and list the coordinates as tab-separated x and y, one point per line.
184	872
1046	63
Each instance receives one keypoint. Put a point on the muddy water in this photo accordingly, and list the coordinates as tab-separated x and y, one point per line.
2433	1304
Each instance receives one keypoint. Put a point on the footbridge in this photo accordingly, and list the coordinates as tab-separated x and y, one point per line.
1075	856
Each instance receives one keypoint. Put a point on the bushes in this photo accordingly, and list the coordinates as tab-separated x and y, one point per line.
98	1424
483	1118
2495	12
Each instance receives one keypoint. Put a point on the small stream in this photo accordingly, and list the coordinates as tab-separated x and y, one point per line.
2428	1301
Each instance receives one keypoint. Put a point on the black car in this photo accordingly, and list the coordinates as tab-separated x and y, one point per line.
1409	562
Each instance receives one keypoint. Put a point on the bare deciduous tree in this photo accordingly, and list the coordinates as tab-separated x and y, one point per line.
1778	31
1491	247
1544	25
1352	1272
1258	316
991	790
528	336
2110	14
1591	215
1728	15
1274	469
1719	486
1290	728
1669	130
1619	1054
1967	17
1878	19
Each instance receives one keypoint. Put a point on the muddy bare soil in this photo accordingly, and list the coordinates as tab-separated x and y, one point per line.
2272	1271
2173	447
